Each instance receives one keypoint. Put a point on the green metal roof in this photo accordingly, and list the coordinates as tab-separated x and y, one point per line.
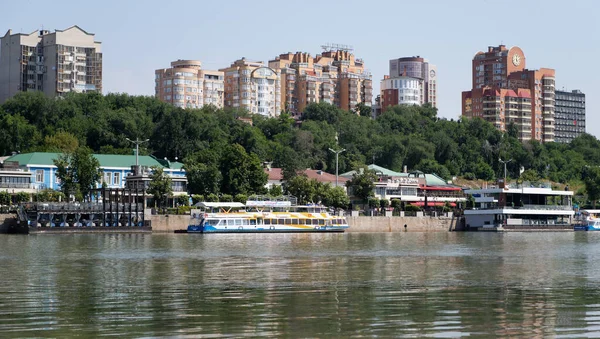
106	160
431	179
379	170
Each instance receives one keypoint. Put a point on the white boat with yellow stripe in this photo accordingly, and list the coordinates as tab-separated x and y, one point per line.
263	216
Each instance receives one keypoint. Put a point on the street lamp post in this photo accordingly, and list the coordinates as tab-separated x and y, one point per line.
137	143
337	153
504	162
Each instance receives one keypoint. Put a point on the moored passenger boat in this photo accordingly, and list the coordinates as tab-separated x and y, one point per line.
263	216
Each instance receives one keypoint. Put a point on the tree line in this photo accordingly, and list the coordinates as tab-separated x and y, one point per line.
224	154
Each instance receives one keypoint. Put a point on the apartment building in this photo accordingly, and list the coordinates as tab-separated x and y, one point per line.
499	69
55	63
335	76
569	115
253	86
185	84
411	81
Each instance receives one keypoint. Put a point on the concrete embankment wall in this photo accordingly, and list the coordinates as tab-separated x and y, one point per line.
396	224
172	223
169	223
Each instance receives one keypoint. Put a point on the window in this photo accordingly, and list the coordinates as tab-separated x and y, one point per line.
108	177
117	179
56	178
39	175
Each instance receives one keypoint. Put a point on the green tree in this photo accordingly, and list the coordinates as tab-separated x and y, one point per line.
592	184
529	175
61	142
363	110
183	200
160	186
336	197
78	172
362	184
302	188
276	191
242	172
202	171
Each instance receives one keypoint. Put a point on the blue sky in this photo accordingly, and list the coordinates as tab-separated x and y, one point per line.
141	36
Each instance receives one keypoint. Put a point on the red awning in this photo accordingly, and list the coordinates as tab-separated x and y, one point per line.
432	203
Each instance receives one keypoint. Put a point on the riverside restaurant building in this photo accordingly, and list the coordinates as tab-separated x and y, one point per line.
415	187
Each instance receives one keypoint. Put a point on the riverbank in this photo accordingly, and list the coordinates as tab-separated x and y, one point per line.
362	224
176	223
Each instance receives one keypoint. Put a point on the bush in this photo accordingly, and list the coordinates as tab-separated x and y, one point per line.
184	209
412	208
21	197
240	198
183	200
5	198
212	198
226	198
196	198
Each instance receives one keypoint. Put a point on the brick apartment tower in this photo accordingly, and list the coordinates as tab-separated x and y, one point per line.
335	76
504	92
187	85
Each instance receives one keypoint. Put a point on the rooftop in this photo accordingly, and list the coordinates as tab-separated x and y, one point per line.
106	160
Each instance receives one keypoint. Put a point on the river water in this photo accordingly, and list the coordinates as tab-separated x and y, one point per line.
402	285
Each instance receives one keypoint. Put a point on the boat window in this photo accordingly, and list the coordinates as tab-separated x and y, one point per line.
280	221
212	222
321	221
267	221
238	222
308	221
294	221
288	221
245	222
252	221
230	222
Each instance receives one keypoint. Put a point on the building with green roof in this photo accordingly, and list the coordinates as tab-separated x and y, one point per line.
115	167
415	187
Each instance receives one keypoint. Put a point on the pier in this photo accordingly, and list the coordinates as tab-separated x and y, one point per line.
112	210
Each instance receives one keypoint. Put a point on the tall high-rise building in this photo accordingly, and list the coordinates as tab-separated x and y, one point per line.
505	93
51	62
569	115
411	81
335	76
187	85
253	86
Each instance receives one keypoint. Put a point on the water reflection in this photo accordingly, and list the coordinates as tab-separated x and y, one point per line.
309	285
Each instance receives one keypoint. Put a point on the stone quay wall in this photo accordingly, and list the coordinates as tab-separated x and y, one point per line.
396	224
172	223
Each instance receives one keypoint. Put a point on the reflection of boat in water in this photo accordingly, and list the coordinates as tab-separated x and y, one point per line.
258	216
590	221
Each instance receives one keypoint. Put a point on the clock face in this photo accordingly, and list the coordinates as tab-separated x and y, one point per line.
432	74
516	59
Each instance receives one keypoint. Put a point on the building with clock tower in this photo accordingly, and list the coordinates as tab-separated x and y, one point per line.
509	95
411	81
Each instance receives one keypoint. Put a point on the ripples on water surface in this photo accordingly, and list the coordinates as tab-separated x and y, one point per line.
408	285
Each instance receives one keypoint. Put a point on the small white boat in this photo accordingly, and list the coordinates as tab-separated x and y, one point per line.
590	222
